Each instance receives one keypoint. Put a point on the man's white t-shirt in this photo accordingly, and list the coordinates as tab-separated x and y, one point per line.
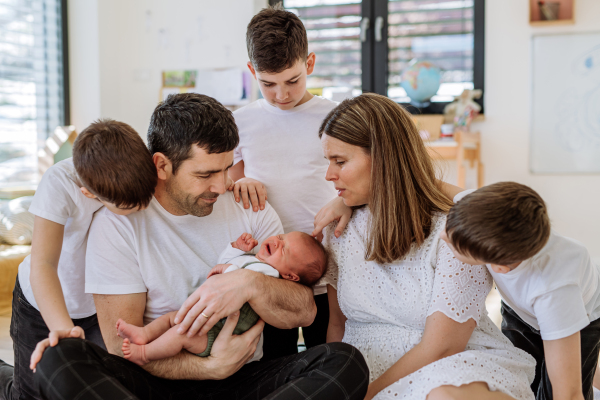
58	198
165	255
282	149
557	291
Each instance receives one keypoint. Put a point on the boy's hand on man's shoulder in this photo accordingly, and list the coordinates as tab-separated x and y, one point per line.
250	191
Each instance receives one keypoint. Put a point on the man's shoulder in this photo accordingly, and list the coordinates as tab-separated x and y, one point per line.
104	219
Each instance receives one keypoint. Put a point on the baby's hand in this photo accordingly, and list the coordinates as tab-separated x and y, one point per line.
218	269
245	242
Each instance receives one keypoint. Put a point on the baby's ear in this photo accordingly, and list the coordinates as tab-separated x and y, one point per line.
291	277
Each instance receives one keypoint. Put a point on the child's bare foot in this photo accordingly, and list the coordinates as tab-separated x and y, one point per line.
134	353
135	334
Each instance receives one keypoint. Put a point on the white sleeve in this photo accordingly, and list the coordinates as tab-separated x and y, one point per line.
264	223
229	254
263	269
111	264
237	155
332	246
462	194
459	289
53	198
561	312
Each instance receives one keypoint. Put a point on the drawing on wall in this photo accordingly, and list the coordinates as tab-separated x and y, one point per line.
565	129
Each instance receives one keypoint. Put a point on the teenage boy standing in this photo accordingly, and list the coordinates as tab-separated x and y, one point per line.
280	148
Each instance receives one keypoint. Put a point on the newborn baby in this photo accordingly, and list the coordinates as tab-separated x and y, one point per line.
293	256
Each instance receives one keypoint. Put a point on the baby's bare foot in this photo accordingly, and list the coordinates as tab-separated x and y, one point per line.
134	353
135	334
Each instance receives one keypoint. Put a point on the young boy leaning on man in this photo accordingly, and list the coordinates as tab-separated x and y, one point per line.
111	167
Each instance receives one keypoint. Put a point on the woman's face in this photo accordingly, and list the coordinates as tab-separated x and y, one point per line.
349	169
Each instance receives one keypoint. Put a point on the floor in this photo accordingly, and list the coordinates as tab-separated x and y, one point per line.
6	351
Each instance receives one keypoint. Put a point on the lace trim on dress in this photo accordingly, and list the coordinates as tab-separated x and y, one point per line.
459	289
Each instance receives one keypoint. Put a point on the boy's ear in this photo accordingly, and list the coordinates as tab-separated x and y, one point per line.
251	68
87	193
500	269
291	277
163	165
310	63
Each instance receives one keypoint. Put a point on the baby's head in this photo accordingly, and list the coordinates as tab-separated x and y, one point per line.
501	224
296	256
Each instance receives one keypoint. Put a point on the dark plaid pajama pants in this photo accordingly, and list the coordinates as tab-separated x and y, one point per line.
79	369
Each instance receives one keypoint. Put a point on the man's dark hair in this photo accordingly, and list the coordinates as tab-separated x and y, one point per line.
276	40
187	119
502	224
113	163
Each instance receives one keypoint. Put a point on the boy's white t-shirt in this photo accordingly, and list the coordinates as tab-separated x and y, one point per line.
282	149
166	256
58	198
557	291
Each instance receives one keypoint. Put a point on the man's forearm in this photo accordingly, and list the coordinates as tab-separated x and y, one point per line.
282	303
182	366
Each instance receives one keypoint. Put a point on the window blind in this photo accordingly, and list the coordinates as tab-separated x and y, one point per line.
31	84
440	31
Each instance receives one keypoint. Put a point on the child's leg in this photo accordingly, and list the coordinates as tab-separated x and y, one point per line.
527	339
167	345
590	346
146	334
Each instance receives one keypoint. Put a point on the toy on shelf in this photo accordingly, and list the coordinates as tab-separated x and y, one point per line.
463	109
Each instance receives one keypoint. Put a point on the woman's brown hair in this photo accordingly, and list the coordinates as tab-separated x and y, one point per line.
404	193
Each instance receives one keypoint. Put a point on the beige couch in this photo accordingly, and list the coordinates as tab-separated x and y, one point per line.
10	258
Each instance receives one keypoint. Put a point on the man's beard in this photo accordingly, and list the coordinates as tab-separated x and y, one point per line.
190	204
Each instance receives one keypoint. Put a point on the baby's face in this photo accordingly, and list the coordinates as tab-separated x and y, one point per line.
284	253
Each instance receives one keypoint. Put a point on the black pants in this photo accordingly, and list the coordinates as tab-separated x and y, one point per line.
284	342
79	369
27	328
526	338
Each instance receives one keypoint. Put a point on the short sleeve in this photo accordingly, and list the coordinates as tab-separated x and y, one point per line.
237	155
561	312
462	194
53	198
459	289
264	223
111	264
333	247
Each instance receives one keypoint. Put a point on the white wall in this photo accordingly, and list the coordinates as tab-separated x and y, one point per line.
117	54
574	199
118	49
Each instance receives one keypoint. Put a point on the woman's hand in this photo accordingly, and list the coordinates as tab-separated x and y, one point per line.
335	210
251	191
53	338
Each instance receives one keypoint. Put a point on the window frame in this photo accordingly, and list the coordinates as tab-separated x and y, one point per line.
374	55
64	19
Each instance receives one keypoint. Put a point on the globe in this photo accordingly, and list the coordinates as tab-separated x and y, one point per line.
421	81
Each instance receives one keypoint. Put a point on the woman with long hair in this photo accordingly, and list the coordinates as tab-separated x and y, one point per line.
396	292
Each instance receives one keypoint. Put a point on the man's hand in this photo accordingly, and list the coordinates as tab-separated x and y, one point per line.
53	338
215	299
251	191
230	352
245	242
218	269
335	210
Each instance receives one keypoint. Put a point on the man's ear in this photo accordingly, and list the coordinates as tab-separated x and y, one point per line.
251	68
164	167
291	277
87	193
310	63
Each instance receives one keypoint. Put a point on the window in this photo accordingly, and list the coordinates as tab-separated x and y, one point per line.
32	84
366	45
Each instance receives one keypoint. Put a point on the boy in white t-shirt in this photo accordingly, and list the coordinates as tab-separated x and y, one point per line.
550	288
111	166
280	148
293	256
